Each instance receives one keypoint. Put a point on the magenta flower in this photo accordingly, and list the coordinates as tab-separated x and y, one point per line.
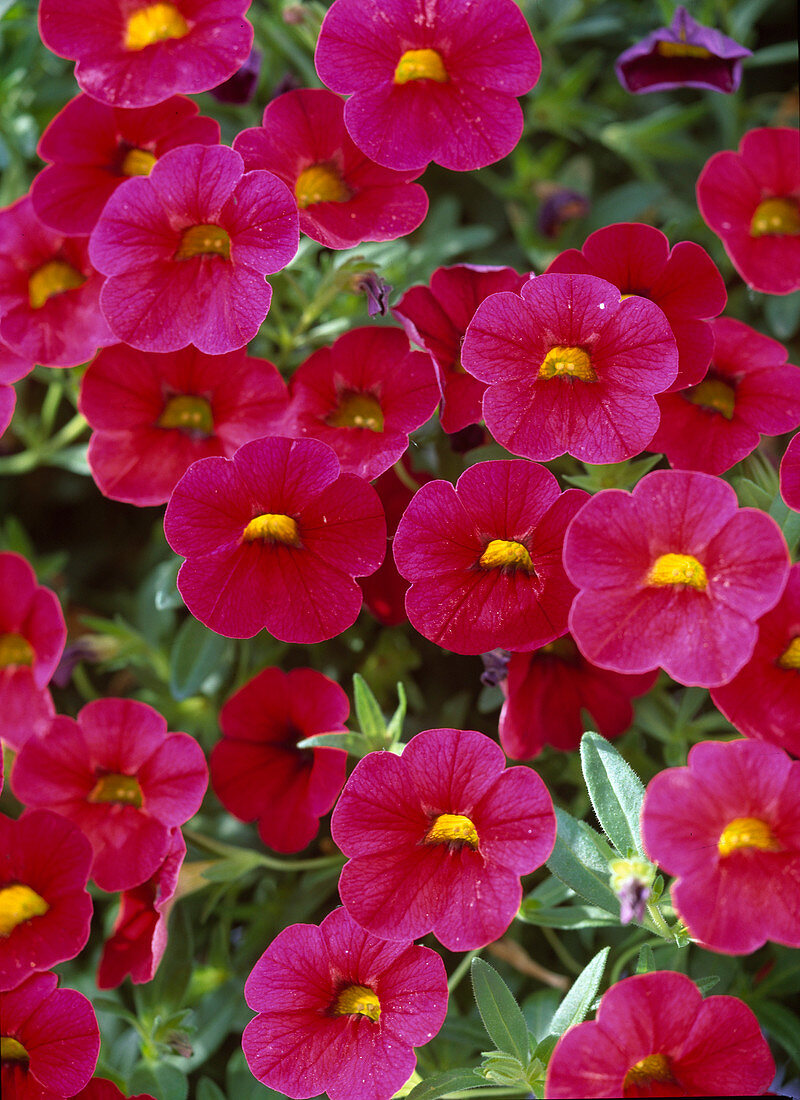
120	777
340	1011
92	148
751	200
274	538
683	282
257	771
655	1035
49	292
728	826
344	198
429	82
790	474
437	317
133	53
363	396
685	54
673	574
570	368
439	837
12	368
154	415
484	558
186	250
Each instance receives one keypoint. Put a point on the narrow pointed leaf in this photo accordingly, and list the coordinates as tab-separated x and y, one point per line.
502	1017
575	1006
616	792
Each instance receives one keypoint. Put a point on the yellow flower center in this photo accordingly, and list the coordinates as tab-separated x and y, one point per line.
18	903
357	1000
655	1068
790	658
776	218
452	829
272	527
137	162
713	394
122	789
188	413
50	279
357	410
561	362
320	183
506	554
11	1050
15	650
155	23
681	49
204	240
747	832
420	65
671	570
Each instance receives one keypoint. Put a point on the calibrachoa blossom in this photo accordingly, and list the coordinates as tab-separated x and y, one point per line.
45	910
484	558
133	53
257	771
728	826
763	699
546	691
790	474
12	368
274	537
429	81
685	54
438	839
32	637
340	1011
363	396
655	1035
751	200
49	291
92	148
154	415
683	282
101	1089
749	389
570	368
187	248
437	317
673	574
49	1040
120	777
344	198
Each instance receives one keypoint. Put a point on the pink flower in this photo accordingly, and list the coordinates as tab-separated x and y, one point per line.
257	771
751	200
12	368
93	147
154	415
439	837
340	1011
186	250
120	777
133	53
673	574
484	558
570	368
728	826
429	82
343	196
274	538
790	474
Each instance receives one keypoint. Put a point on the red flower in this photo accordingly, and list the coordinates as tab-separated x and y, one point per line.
93	148
119	776
751	200
340	1011
728	826
655	1035
343	196
438	839
484	558
274	538
101	1089
749	389
790	474
683	282
257	771
154	415
674	574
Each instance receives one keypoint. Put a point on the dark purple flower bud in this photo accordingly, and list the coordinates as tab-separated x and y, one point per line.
241	87
559	207
495	667
632	881
467	439
377	291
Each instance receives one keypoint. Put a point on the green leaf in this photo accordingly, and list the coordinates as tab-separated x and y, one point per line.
567	916
780	1024
163	1080
166	991
646	963
354	743
209	1090
575	1006
165	590
196	653
577	859
368	712
705	985
71	458
502	1017
616	792
433	1088
394	730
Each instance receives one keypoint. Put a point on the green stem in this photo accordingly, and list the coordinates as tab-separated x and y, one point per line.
566	958
405	477
231	851
28	460
83	685
630	952
462	969
656	922
501	1091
